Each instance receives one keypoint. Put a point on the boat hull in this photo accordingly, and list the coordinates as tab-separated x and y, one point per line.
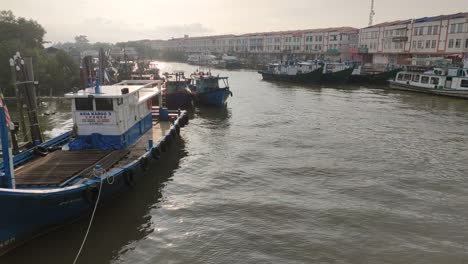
178	100
28	213
311	77
217	97
379	78
407	87
337	77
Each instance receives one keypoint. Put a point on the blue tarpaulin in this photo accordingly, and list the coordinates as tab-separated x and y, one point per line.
96	141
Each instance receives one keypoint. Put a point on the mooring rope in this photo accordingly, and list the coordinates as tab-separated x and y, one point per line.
91	220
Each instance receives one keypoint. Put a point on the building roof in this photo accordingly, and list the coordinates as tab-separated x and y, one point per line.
261	34
420	20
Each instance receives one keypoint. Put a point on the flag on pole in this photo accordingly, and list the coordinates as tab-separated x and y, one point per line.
9	123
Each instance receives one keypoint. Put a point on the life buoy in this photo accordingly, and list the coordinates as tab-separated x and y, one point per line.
91	193
144	163
40	151
129	177
155	153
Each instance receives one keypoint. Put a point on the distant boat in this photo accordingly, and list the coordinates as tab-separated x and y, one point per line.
308	72
200	59
207	89
302	72
117	135
449	82
176	91
373	74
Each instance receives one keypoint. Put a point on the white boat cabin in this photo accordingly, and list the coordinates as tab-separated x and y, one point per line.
450	79
121	112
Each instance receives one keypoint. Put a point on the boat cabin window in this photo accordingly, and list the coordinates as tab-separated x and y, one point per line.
416	78
424	79
104	104
407	77
84	104
400	77
434	80
464	83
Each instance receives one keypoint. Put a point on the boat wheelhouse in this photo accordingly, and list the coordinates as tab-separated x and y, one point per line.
209	89
176	91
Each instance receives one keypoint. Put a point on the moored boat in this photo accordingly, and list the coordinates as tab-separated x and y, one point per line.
207	89
373	74
336	73
176	91
117	134
449	82
302	72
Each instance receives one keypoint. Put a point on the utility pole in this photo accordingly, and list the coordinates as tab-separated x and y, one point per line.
371	14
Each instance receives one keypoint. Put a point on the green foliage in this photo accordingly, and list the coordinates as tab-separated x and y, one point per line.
56	73
143	47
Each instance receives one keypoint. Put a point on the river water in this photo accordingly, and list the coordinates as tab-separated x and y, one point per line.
288	174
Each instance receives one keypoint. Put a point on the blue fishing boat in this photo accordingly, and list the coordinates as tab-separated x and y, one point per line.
207	88
116	134
176	91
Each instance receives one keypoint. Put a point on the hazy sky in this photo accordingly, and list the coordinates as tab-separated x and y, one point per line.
119	20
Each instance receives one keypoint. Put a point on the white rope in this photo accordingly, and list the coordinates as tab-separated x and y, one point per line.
90	223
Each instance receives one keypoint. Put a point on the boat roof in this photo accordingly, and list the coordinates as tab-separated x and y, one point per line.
206	76
113	91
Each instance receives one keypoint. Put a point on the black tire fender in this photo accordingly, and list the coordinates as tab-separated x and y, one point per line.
156	153
129	177
40	151
143	163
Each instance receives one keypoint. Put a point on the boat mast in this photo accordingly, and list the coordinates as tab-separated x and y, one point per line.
371	14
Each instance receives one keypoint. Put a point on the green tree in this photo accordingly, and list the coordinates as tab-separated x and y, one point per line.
56	73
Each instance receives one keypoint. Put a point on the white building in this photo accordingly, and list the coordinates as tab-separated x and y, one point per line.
333	43
415	41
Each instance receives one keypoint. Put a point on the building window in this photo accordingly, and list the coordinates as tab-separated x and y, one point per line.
460	28
421	31
434	44
466	44
420	44
452	28
458	43
428	44
435	30
414	43
429	30
416	30
450	45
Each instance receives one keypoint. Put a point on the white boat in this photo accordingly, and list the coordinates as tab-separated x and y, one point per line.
450	81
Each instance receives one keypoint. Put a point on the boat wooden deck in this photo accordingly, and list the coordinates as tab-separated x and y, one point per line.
61	166
159	130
